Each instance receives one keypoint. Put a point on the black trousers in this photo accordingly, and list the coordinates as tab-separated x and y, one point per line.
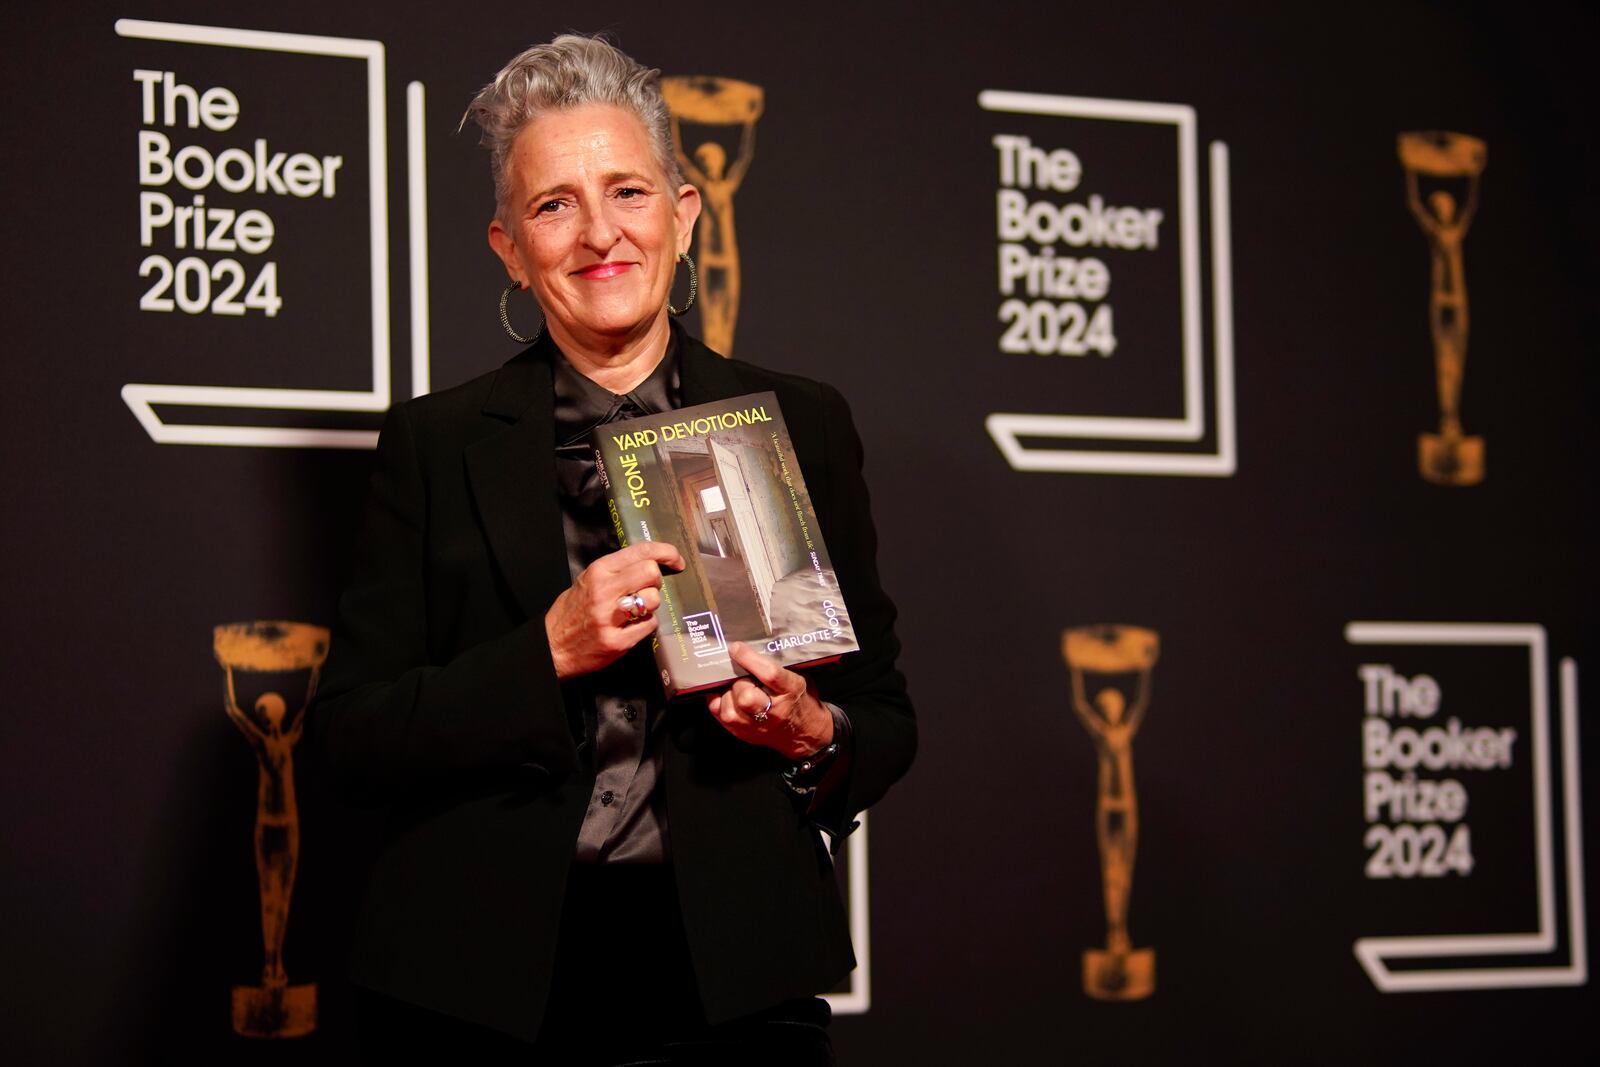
624	993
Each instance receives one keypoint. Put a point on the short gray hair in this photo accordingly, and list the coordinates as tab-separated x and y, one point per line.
570	71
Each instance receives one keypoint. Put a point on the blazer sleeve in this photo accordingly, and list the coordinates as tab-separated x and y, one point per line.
389	720
866	685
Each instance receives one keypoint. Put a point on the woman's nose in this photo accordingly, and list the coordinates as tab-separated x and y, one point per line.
599	231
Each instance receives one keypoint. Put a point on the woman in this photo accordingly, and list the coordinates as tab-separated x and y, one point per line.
570	860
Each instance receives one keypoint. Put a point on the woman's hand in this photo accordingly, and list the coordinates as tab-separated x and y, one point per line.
774	707
589	626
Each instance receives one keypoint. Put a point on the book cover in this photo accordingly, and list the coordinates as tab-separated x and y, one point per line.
721	483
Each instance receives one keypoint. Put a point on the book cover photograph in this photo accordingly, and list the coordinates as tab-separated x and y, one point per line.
721	482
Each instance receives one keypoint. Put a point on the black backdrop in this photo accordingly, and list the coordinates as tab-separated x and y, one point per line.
866	229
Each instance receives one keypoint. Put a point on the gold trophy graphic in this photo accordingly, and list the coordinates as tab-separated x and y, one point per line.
1119	971
721	102
1454	161
274	1008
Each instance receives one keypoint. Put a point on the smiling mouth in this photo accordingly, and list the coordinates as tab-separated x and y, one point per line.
600	271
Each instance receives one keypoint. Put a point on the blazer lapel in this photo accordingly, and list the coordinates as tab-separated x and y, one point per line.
705	376
512	471
513	480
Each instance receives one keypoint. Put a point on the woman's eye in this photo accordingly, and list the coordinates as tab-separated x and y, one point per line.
629	192
549	207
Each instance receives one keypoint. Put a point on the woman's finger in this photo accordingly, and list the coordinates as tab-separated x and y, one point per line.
764	669
659	553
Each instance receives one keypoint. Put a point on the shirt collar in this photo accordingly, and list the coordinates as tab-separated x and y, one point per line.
581	404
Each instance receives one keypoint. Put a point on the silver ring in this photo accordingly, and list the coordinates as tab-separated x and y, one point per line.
761	716
632	605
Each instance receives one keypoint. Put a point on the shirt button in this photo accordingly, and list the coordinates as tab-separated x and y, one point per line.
630	712
607	798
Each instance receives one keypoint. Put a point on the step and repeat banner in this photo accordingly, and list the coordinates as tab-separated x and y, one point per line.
1224	380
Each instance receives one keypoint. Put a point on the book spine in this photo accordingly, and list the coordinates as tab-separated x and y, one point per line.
617	525
641	509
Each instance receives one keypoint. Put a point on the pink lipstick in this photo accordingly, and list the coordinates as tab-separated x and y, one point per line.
600	271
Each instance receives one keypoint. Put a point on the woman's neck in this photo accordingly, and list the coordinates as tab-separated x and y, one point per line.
621	366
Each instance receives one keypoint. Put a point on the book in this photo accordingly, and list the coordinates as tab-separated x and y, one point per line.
722	484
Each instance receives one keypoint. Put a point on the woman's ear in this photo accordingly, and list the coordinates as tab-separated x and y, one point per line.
506	248
688	211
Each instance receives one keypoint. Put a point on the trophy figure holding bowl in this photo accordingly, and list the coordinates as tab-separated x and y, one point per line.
1104	654
271	652
1450	164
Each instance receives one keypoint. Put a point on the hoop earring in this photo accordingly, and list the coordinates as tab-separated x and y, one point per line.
505	318
694	286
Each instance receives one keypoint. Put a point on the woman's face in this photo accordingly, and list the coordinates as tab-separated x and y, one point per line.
592	225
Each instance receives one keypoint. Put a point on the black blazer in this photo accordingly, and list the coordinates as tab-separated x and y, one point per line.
439	700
